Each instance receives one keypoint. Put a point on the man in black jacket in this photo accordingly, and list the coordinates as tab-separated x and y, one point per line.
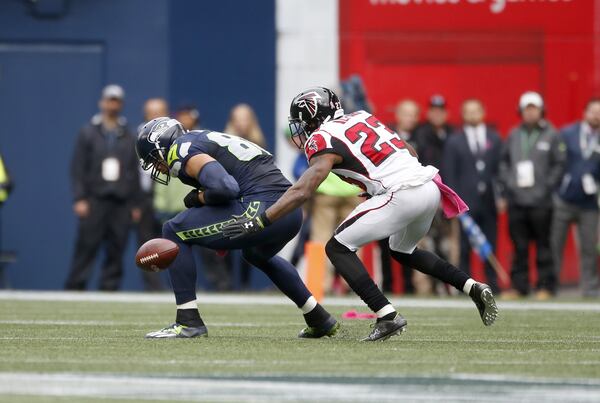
431	136
429	140
105	180
470	167
531	167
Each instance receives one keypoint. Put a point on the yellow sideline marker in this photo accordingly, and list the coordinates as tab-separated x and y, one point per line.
315	268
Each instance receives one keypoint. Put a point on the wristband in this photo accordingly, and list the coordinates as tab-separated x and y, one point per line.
264	220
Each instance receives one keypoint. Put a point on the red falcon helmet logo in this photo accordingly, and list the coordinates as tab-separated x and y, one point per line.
309	102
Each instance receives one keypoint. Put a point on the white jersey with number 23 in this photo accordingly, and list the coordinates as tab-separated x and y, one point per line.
374	157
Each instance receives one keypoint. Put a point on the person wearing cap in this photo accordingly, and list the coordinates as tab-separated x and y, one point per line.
531	166
576	201
431	136
428	139
470	167
105	181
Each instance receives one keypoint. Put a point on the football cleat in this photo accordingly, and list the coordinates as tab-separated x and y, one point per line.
384	329
482	296
329	329
178	331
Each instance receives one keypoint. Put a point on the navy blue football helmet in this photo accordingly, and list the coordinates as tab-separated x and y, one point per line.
153	143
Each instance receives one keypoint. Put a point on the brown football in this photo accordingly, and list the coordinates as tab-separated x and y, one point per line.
156	254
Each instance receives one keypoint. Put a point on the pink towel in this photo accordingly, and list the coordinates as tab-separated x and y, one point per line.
452	204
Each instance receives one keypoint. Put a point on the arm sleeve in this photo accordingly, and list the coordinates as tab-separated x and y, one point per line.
79	168
219	186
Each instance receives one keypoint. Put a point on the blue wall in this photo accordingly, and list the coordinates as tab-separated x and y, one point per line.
223	53
51	73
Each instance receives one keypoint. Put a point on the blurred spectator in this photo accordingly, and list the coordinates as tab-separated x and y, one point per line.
577	199
188	116
333	201
105	179
429	140
530	168
168	200
148	226
406	121
407	118
430	137
243	123
470	167
6	184
354	95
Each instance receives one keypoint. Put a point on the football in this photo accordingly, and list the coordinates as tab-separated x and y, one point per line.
156	254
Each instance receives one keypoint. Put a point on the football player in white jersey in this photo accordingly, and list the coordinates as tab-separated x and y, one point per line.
402	199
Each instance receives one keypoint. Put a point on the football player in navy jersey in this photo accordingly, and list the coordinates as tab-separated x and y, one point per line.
230	177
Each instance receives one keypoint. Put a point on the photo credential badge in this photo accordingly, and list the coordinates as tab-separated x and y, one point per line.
111	169
525	174
589	184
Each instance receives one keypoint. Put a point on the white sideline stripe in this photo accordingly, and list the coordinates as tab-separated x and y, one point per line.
252	299
463	387
45	322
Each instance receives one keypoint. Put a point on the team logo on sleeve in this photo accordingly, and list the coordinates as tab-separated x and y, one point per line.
309	102
315	144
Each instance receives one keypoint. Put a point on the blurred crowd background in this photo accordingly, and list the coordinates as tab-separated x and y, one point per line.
501	97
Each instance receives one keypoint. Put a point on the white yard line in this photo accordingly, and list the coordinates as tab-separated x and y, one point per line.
462	387
46	322
253	299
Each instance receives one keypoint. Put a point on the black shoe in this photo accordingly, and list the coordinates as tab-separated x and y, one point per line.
329	328
384	329
482	296
177	331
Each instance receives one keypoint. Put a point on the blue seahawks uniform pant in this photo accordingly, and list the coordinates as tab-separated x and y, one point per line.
202	226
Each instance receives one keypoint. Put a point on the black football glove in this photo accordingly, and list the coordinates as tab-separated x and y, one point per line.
243	226
192	200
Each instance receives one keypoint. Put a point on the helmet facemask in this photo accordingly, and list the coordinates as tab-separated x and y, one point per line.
301	130
155	160
153	143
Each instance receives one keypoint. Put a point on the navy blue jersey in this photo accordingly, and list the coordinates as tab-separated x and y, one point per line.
252	167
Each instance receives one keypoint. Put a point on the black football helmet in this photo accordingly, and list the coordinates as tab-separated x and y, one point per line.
310	109
153	143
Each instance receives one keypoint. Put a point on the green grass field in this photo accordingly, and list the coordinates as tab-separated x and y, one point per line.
61	350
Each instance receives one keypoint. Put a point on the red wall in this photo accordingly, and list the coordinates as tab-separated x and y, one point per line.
475	48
